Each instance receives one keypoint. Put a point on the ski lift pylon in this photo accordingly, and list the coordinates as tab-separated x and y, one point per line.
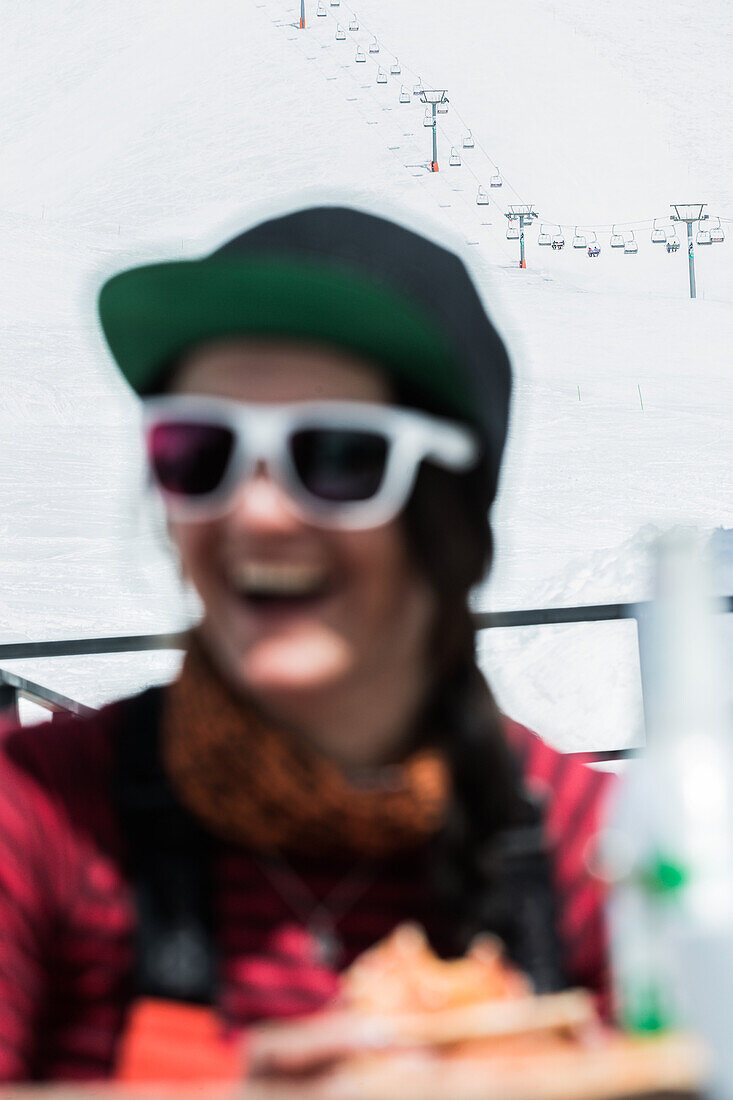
579	239
482	196
468	142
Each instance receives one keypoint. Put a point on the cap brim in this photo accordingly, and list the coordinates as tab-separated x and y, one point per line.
151	314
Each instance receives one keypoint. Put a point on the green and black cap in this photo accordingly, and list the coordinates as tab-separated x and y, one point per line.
327	274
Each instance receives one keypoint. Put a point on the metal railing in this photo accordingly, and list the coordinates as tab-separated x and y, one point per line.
14	687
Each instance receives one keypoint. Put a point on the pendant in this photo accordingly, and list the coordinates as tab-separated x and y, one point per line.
328	948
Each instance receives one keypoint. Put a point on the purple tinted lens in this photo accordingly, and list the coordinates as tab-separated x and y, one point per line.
189	459
340	465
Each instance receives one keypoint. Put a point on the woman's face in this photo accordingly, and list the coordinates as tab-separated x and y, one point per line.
290	607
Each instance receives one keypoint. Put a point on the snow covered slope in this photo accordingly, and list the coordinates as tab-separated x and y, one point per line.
134	131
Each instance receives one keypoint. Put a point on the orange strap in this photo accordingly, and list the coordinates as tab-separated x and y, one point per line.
168	1041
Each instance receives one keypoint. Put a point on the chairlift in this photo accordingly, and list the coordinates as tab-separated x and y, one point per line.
443	107
381	76
717	233
704	236
512	230
417	89
579	239
335	3
482	197
354	24
631	247
360	57
496	180
617	239
340	33
544	237
558	242
594	249
405	96
468	142
321	10
374	46
659	235
673	245
428	120
455	158
395	68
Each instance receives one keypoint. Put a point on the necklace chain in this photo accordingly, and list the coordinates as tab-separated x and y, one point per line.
319	915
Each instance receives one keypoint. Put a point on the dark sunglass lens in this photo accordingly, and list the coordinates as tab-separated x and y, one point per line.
339	464
188	458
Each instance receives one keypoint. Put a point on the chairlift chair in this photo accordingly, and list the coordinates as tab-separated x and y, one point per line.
544	237
443	107
631	247
405	96
374	46
340	33
496	180
579	239
482	197
558	242
704	236
594	250
428	119
673	245
354	24
717	233
360	57
417	89
659	236
395	68
617	239
381	76
321	10
335	3
455	158
468	142
512	230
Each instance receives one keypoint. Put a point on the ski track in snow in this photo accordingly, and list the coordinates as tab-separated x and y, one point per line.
133	132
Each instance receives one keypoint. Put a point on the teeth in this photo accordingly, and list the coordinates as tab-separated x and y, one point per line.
267	578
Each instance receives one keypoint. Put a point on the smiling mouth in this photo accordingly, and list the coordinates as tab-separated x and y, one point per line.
269	585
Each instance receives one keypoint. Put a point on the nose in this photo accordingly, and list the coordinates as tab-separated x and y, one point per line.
262	506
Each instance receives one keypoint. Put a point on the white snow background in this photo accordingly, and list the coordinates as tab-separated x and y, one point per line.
136	131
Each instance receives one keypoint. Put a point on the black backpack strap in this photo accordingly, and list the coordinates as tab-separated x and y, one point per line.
169	865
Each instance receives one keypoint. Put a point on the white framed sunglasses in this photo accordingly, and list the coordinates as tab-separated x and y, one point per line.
345	464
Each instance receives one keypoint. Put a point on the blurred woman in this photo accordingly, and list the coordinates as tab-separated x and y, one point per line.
326	406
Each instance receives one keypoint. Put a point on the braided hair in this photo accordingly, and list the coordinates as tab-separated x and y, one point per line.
489	864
